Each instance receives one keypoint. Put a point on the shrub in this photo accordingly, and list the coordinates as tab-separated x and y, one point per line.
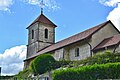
42	64
5	77
107	57
62	63
102	71
23	74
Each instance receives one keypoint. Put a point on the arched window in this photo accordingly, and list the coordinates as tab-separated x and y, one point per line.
32	34
46	33
77	52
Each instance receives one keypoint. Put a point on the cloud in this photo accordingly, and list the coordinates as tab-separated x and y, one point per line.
50	4
5	5
110	3
11	60
114	15
33	2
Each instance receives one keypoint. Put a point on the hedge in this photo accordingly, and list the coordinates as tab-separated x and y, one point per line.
101	71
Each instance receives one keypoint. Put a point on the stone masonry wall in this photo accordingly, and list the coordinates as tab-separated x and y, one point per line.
105	32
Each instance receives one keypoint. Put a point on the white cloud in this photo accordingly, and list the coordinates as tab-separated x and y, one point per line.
11	60
50	4
5	5
114	15
109	2
33	2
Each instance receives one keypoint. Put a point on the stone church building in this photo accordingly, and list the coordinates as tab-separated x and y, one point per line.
41	40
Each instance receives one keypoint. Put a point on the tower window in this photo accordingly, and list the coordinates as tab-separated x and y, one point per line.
32	34
46	33
77	52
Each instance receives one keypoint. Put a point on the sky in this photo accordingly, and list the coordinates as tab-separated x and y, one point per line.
70	16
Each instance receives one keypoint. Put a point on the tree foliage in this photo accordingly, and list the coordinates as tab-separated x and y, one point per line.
42	64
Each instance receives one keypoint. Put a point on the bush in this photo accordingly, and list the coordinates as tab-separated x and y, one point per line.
5	77
107	57
42	64
23	74
62	63
102	71
46	61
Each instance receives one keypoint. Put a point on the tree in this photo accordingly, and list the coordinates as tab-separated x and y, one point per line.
43	63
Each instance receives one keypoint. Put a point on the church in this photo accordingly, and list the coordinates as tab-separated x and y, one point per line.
97	39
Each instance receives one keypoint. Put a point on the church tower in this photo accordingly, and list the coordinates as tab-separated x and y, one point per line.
41	34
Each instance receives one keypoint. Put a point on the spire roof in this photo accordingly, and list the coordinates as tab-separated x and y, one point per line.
42	19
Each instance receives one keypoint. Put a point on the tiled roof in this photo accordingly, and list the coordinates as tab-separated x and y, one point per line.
43	19
108	42
75	38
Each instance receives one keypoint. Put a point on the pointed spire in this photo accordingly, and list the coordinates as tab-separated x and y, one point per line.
41	10
42	5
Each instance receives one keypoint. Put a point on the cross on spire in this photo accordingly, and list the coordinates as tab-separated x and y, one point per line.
42	5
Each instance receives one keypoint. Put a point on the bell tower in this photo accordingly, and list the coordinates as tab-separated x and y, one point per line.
41	34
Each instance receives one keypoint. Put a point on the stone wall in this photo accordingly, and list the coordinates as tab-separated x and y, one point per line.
111	49
32	44
84	50
107	31
68	52
39	41
51	33
58	55
118	48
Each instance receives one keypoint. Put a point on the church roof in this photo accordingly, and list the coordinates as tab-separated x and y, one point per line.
108	42
75	38
42	19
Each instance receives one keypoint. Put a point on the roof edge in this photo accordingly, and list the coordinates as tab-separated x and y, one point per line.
106	46
114	25
41	22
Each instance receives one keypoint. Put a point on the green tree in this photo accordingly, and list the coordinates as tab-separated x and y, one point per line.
43	63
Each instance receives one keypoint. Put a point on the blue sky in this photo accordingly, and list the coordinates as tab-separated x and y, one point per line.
71	17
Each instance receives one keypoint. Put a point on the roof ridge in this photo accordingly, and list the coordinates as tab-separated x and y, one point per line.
84	31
